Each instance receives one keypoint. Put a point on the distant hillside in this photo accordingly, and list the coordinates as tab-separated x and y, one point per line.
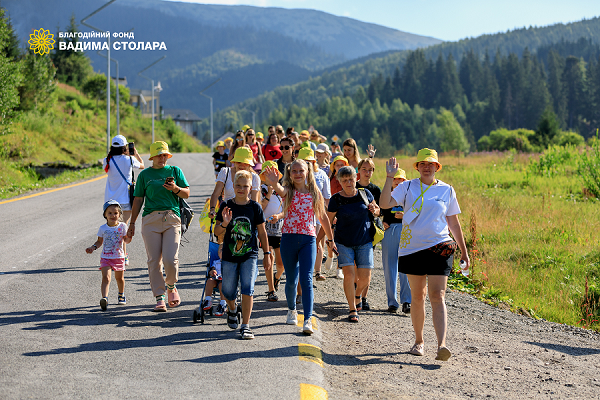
254	49
335	35
353	74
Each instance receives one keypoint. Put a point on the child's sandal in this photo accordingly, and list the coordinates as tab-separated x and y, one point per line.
160	306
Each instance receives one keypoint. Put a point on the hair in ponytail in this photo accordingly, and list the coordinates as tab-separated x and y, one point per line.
114	151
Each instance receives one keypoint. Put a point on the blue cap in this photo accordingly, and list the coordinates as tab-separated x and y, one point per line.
109	203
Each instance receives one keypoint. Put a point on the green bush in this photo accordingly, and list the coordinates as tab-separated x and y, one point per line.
589	168
72	106
554	160
564	138
503	139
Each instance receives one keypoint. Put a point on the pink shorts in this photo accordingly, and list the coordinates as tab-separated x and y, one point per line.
116	264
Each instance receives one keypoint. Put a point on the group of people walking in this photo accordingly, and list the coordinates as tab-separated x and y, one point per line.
304	203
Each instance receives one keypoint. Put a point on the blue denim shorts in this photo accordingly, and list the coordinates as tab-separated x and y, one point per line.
244	272
361	255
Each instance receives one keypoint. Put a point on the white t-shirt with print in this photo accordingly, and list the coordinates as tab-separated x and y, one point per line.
323	183
112	240
229	193
426	226
116	187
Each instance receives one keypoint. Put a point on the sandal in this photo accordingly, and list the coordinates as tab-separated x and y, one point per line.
443	354
319	276
353	317
276	282
232	319
174	299
417	349
359	305
160	306
271	296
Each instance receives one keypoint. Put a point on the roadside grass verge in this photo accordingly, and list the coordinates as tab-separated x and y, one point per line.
532	236
72	134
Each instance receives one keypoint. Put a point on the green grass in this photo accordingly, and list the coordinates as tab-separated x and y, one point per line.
73	133
532	235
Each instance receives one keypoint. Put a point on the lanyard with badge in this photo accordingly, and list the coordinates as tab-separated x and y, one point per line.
413	212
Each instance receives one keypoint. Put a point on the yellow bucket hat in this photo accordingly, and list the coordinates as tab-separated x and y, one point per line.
400	174
266	165
158	148
304	134
339	158
229	139
260	136
220	143
428	155
306	154
243	155
245	128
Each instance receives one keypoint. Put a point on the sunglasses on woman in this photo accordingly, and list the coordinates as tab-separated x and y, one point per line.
240	139
286	147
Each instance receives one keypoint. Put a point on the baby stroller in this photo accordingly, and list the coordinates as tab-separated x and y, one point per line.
213	256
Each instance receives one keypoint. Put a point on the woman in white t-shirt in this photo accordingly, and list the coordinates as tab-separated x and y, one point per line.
242	160
117	184
426	248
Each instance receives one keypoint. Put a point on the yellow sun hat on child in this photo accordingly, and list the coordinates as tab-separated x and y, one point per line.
428	155
220	143
306	154
260	136
400	174
245	128
266	165
243	155
339	158
229	139
158	148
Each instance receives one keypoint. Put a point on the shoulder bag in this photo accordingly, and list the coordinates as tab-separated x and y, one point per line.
131	184
376	229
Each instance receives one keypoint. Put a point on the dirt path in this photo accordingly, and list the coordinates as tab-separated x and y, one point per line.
496	354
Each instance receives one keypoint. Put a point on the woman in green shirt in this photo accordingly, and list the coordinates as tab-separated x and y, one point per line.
160	188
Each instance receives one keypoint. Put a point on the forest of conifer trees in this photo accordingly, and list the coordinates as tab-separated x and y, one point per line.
484	92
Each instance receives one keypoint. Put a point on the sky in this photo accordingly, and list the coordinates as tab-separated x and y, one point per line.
447	20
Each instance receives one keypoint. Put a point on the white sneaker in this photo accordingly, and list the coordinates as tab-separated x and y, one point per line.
328	264
292	317
340	274
307	328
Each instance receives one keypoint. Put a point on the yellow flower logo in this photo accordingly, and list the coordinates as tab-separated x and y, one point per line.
41	41
405	237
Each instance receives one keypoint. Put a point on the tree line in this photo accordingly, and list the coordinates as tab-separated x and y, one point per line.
414	107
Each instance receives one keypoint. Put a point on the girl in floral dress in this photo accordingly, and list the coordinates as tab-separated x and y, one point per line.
303	202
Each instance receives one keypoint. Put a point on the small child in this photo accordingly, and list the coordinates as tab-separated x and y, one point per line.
220	157
215	279
112	234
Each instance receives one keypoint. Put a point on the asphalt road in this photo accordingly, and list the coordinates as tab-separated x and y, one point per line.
57	343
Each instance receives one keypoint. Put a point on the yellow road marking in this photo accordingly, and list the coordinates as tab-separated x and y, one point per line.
53	190
308	352
312	392
301	322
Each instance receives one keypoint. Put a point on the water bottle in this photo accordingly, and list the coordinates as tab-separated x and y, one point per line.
463	268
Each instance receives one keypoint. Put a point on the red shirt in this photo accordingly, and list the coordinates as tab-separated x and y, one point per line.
272	152
335	186
254	148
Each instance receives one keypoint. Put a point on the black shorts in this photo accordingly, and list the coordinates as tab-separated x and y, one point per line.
274	241
425	262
